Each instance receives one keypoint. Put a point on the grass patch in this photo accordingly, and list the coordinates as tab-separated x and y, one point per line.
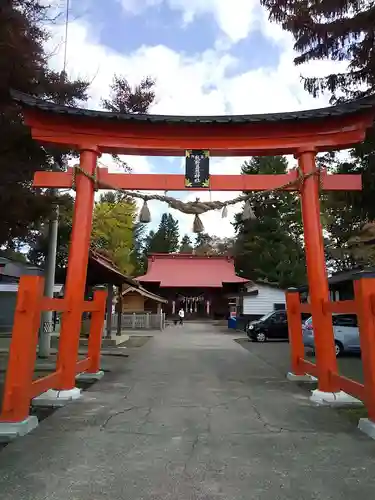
353	414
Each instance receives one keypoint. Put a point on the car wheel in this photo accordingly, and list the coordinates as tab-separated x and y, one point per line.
261	337
339	348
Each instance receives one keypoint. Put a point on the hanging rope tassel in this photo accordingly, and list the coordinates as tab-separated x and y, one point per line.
144	214
248	213
197	225
224	213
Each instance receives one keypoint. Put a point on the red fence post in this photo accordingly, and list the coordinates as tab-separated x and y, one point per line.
96	330
297	349
22	353
364	288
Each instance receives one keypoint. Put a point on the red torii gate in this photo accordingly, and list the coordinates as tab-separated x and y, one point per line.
302	134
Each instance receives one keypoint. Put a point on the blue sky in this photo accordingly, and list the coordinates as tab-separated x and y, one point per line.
207	56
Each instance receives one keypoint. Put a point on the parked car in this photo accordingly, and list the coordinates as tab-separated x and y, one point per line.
345	331
273	325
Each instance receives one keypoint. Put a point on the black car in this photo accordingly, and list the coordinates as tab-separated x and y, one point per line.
273	325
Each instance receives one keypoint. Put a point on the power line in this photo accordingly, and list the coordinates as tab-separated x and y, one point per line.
66	34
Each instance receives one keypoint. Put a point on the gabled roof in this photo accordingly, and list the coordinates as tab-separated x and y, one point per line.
343	109
101	269
186	270
145	293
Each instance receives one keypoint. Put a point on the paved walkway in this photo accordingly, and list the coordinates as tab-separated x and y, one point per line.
192	415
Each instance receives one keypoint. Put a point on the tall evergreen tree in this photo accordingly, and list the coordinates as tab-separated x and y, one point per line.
271	247
186	245
138	254
166	238
338	30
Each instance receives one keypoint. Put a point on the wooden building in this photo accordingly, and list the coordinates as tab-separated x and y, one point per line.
204	286
138	299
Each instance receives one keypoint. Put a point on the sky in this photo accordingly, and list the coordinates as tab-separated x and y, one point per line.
207	56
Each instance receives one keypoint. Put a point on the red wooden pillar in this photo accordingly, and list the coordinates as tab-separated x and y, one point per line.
364	288
77	270
297	349
317	274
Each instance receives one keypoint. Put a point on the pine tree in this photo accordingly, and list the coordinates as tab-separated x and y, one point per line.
186	245
338	30
271	247
166	238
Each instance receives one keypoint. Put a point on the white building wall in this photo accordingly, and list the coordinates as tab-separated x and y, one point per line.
262	303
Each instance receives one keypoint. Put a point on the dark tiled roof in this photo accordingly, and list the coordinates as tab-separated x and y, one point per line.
348	108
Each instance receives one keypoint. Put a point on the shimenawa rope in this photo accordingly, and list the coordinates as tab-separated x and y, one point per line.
196	207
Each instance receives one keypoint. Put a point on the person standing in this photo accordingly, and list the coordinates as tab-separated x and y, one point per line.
181	315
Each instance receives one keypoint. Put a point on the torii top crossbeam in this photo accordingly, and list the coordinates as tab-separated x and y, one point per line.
331	128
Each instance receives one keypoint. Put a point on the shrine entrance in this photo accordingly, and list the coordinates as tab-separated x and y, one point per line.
302	134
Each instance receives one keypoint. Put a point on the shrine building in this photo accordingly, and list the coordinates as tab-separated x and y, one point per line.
204	286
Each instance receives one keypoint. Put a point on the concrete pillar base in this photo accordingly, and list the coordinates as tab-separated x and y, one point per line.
56	399
292	377
12	430
88	377
338	399
367	426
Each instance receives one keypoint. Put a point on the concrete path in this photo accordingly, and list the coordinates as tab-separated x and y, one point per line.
192	415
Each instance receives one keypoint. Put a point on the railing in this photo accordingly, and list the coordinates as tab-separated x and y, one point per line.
20	388
363	306
141	321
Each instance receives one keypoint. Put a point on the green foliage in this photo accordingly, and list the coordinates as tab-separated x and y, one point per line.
138	260
166	238
271	247
336	30
24	66
112	232
339	31
186	245
347	211
38	239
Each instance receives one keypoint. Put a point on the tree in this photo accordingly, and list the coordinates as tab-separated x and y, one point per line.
339	31
24	66
271	247
336	30
114	217
138	100
138	260
347	212
206	244
186	245
125	99
166	238
38	239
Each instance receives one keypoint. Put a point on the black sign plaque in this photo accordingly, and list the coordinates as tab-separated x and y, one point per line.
197	168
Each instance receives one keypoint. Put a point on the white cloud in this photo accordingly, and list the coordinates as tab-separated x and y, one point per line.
193	85
235	18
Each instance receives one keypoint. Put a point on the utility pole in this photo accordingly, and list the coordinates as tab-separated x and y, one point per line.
46	327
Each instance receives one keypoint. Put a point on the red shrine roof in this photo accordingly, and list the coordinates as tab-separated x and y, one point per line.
187	270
